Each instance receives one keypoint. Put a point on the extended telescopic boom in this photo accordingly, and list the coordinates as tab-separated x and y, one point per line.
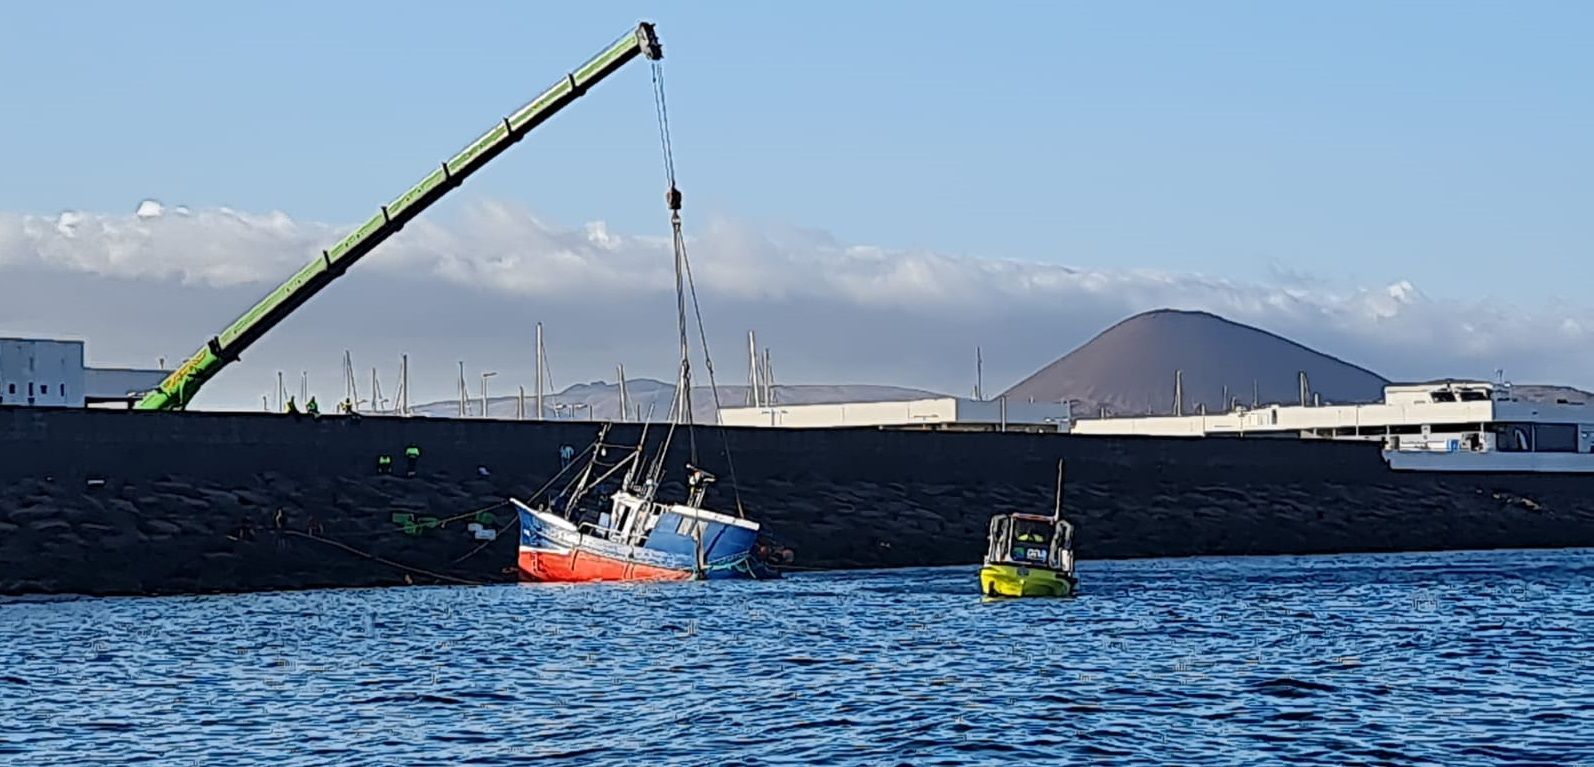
179	388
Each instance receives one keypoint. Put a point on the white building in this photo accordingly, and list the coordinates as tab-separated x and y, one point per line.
50	373
948	413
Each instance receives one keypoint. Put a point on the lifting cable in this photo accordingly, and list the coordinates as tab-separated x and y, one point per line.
683	270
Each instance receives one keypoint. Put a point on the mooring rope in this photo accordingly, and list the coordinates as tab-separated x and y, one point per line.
383	560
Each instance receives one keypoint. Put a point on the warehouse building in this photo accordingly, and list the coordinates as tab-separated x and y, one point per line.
939	413
38	372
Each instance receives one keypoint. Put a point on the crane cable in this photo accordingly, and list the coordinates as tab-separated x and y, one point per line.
684	268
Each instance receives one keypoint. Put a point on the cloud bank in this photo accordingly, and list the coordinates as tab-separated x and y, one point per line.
469	287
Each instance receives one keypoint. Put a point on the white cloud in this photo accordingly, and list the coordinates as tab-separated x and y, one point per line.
833	310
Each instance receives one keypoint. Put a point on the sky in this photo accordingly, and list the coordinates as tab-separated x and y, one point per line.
877	188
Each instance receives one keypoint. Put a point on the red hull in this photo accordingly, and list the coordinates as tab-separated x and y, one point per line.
584	566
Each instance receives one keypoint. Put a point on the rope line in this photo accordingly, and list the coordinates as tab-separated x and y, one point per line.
683	268
383	560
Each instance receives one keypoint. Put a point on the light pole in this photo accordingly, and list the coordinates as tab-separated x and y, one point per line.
485	376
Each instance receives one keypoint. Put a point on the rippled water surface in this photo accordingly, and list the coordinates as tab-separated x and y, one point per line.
1472	658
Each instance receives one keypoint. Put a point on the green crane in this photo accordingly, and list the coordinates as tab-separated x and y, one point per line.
184	383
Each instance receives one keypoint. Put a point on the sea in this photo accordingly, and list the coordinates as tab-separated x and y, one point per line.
1443	659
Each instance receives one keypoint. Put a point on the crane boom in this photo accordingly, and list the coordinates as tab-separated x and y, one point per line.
179	388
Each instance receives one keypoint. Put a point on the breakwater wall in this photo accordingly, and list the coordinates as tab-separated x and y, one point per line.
110	502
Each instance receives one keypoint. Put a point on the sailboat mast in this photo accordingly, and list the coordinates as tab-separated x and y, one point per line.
538	387
625	399
753	400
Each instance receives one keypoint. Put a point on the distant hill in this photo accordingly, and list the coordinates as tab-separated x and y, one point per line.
1551	394
1129	368
600	400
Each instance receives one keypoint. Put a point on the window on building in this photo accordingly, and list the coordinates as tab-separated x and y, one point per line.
1443	396
1474	396
44	388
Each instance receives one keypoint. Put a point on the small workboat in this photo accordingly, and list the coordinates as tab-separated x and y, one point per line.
1030	555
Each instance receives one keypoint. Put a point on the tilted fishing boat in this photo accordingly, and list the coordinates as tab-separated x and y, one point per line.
1030	555
635	536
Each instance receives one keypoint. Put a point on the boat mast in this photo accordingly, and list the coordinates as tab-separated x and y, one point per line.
625	400
541	356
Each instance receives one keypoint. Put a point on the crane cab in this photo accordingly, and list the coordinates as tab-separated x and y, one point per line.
1028	555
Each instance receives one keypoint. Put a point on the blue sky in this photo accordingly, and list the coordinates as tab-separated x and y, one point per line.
1348	145
1368	141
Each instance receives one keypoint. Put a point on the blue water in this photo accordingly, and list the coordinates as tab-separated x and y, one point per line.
1445	659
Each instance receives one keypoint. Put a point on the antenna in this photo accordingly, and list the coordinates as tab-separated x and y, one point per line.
1057	510
462	389
1178	392
520	405
376	392
1305	389
304	386
1256	399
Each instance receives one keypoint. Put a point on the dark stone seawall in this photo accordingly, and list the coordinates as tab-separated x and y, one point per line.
108	502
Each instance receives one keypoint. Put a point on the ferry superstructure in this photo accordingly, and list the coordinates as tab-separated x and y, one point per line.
1452	426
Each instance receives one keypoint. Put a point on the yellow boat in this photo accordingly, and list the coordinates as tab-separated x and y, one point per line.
1018	581
1030	555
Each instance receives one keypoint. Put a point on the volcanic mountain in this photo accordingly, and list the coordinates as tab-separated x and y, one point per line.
1129	368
